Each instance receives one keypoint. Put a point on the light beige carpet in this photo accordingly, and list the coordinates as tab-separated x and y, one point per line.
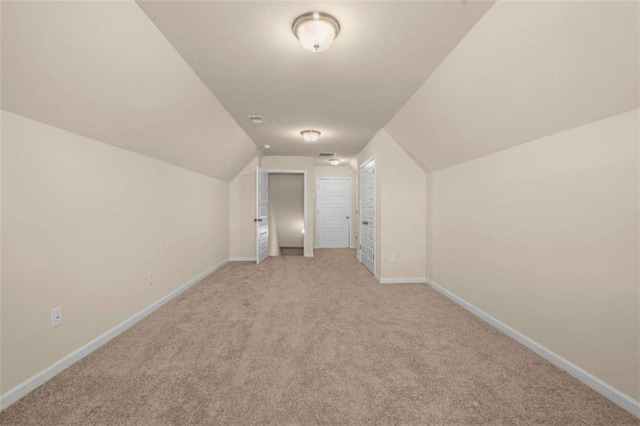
312	341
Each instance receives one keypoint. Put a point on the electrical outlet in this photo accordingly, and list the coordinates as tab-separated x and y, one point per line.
56	316
150	279
392	257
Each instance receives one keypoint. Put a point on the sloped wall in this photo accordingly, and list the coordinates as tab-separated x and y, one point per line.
526	70
102	69
86	223
544	237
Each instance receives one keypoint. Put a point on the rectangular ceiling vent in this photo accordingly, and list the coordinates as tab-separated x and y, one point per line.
326	154
255	119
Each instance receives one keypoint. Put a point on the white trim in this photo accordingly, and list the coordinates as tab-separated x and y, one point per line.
38	379
308	251
242	259
414	280
317	213
603	388
375	213
375	275
258	218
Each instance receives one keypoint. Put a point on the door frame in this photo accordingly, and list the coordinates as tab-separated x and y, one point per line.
375	213
317	236
258	218
307	248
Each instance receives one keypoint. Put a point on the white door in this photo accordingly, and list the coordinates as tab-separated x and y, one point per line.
262	215
334	210
367	213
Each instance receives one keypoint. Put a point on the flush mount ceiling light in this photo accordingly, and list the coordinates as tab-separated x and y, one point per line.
316	30
310	135
334	161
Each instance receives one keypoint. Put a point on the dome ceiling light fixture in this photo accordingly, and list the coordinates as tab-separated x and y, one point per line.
316	30
334	161
310	135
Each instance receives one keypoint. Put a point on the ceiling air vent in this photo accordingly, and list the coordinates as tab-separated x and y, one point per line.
255	119
326	154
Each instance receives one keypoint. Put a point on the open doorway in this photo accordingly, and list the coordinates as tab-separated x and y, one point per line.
286	214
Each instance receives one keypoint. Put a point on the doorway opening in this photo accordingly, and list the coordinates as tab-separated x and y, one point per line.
286	211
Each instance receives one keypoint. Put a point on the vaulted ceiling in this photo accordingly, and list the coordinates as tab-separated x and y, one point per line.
526	70
449	80
103	70
246	53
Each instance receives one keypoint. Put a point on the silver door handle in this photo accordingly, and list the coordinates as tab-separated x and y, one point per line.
258	219
365	222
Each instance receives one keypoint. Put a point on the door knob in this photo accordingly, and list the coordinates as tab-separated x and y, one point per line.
258	219
347	217
365	222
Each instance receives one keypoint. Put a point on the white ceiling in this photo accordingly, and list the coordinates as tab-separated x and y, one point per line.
247	55
103	70
526	70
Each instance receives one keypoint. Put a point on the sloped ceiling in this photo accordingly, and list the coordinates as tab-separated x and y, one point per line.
248	56
526	70
103	70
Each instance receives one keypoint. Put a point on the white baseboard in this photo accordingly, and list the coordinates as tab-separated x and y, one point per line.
603	388
414	280
242	259
38	379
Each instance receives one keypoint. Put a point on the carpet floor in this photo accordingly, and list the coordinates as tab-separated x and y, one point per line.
312	341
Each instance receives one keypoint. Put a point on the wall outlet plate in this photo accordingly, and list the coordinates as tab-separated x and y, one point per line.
56	316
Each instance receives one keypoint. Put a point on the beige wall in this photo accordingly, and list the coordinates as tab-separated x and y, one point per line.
509	82
337	171
129	87
400	205
242	212
286	203
544	237
302	164
86	222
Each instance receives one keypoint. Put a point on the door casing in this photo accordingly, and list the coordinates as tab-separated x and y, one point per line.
308	248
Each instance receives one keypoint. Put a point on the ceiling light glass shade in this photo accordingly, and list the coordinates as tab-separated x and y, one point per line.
334	161
310	135
316	30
